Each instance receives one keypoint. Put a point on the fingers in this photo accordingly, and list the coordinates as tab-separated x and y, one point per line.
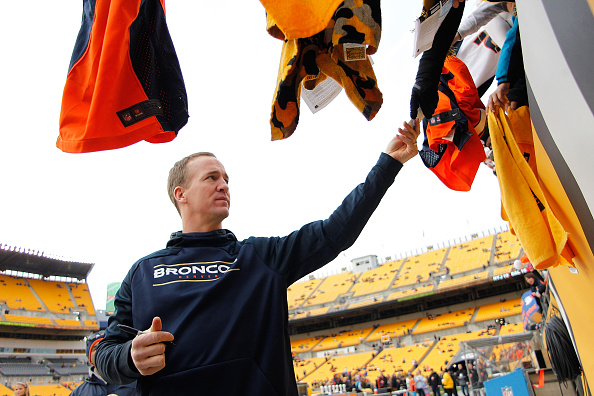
157	325
148	349
410	132
497	100
148	358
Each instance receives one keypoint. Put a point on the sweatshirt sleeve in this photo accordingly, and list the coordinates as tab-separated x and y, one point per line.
112	358
482	15
505	64
317	243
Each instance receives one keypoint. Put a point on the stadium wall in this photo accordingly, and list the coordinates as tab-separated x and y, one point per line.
558	56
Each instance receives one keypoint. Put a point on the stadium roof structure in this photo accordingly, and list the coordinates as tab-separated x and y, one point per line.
499	339
35	262
406	306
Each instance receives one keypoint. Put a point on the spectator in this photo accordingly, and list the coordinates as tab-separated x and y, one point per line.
397	382
421	384
224	300
448	383
21	389
537	287
473	376
435	382
463	381
511	79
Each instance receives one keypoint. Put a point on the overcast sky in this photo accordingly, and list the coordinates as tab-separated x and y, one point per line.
111	208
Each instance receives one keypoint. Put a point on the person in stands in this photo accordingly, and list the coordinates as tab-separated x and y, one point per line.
223	300
21	389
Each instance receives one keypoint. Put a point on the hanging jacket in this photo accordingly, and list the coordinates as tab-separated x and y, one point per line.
452	148
300	18
124	82
310	60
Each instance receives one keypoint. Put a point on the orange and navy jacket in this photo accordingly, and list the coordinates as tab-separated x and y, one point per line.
452	147
124	82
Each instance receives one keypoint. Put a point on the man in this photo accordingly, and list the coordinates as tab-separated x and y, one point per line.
473	376
435	382
223	300
94	385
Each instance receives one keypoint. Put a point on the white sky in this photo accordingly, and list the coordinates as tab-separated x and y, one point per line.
111	208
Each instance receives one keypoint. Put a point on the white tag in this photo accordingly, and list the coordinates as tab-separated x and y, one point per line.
354	52
321	95
574	270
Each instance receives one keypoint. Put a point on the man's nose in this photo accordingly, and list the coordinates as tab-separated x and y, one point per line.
223	186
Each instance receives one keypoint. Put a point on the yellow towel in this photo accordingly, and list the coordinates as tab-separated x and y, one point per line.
312	59
300	18
523	202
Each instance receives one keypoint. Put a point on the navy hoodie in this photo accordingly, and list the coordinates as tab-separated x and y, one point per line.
225	302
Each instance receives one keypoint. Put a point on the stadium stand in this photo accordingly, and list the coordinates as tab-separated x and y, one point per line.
17	295
42	332
332	287
67	322
470	255
82	297
305	344
391	360
337	364
310	312
463	280
447	320
29	319
392	330
411	292
343	339
499	310
447	347
307	366
376	279
49	390
54	295
504	269
298	292
5	391
507	247
419	268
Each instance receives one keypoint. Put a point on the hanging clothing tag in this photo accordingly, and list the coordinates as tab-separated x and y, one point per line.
354	52
319	97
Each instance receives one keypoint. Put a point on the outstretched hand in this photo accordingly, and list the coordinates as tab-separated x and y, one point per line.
403	146
148	350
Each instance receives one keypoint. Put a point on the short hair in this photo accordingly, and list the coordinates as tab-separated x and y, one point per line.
178	175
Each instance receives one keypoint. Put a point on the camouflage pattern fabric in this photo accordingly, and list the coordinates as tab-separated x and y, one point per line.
311	60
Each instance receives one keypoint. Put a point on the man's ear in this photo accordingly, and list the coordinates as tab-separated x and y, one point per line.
180	194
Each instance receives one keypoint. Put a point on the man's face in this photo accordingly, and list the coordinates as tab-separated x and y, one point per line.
207	193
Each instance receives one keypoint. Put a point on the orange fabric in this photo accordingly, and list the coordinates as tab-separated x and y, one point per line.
103	82
300	18
457	168
540	379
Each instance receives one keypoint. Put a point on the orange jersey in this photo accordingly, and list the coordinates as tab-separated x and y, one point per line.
452	148
124	84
